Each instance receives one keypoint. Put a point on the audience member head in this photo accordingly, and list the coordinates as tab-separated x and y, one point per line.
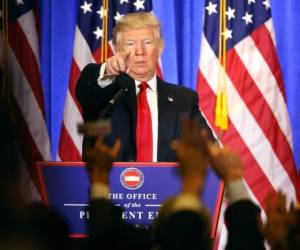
246	232
181	229
47	227
184	230
294	231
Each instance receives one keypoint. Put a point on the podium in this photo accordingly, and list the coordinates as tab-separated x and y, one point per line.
139	188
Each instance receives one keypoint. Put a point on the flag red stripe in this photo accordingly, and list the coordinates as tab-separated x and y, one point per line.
216	241
28	148
74	76
27	61
261	36
67	148
253	174
261	111
97	53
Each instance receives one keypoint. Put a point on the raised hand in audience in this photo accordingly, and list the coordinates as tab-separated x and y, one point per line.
191	151
226	163
281	220
100	158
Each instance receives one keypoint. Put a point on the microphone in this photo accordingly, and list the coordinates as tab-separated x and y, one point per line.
123	80
107	111
102	126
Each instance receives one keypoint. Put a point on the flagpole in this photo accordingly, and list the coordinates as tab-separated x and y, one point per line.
218	100
224	116
104	39
221	116
106	30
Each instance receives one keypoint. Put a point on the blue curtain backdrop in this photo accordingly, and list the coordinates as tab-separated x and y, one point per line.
182	22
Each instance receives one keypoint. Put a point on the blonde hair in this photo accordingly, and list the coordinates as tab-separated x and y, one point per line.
136	20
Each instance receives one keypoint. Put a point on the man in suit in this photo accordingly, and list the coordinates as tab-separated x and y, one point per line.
146	136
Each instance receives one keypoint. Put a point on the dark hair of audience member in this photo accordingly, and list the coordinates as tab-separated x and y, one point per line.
294	232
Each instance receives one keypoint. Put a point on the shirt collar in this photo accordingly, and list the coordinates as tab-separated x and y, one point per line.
152	84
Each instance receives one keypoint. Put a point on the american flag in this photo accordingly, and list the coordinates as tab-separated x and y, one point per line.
21	68
87	49
259	126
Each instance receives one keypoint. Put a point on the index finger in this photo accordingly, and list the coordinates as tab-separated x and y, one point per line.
129	61
126	55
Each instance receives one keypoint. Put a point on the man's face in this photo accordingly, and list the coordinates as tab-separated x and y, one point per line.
144	50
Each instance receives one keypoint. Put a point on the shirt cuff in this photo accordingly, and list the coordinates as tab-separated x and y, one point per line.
102	80
99	190
236	190
187	202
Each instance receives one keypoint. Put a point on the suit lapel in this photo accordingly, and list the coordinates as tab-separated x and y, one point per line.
167	116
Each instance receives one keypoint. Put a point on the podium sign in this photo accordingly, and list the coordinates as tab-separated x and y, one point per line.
139	188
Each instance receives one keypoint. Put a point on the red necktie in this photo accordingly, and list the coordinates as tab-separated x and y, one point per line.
143	126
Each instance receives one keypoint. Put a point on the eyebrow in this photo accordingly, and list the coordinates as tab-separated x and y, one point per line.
133	39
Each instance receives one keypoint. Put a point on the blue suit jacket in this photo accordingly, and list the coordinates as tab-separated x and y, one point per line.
173	102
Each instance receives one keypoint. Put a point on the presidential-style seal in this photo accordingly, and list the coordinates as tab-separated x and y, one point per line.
132	178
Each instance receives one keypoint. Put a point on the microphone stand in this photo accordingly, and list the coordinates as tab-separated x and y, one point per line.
102	126
107	111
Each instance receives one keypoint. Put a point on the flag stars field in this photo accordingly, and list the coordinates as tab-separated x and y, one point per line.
230	13
139	4
118	16
123	1
247	18
211	8
102	12
86	7
98	33
267	4
227	33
